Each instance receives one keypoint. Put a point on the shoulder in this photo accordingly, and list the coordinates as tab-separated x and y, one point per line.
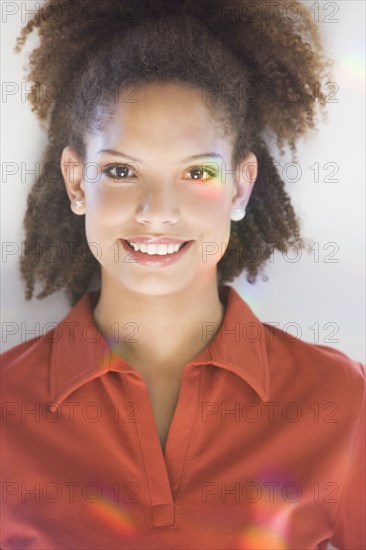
26	351
36	352
314	366
26	364
289	344
301	354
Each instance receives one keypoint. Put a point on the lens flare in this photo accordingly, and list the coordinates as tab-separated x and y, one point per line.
256	537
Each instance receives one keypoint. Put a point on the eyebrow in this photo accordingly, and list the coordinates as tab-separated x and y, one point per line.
187	159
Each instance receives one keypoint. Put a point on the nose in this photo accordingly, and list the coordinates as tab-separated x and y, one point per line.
158	205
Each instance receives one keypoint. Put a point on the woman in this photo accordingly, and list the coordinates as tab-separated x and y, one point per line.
161	413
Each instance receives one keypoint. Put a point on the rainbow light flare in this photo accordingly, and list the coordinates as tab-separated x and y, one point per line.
351	69
270	517
256	537
115	516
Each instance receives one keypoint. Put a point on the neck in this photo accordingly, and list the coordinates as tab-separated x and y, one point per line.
158	331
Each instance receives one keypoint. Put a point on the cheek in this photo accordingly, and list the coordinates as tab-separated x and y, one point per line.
215	191
215	205
106	207
98	198
100	217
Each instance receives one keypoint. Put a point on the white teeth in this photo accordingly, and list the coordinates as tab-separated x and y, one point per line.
161	249
151	249
172	248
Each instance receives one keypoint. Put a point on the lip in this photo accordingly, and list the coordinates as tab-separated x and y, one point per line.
153	240
154	260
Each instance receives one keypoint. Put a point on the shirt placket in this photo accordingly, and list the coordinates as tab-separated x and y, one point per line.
164	471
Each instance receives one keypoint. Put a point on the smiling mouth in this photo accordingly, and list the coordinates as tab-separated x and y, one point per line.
152	249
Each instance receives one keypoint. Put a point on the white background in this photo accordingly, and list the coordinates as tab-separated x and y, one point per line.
302	296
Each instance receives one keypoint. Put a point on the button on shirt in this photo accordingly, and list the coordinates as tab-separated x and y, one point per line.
264	451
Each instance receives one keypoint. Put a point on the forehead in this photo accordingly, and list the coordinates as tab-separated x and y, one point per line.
167	117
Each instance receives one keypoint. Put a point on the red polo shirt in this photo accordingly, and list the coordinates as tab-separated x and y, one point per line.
264	450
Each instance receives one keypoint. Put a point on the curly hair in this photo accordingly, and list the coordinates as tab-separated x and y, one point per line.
257	65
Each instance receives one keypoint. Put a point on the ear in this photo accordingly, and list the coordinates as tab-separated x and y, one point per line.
245	176
72	171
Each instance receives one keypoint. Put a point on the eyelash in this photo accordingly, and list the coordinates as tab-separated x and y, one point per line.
211	172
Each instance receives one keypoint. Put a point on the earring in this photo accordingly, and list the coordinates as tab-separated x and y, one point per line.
238	214
78	204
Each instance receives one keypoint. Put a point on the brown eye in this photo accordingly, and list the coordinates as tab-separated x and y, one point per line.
120	171
197	174
200	173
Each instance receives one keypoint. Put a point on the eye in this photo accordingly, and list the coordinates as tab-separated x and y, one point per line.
201	173
120	172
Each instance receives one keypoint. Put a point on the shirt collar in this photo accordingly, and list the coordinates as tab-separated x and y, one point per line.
80	353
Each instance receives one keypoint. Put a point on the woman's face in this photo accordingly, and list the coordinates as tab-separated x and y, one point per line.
160	170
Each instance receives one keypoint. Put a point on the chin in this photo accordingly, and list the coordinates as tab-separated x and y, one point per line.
156	285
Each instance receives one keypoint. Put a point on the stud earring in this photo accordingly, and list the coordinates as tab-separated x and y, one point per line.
78	204
237	214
